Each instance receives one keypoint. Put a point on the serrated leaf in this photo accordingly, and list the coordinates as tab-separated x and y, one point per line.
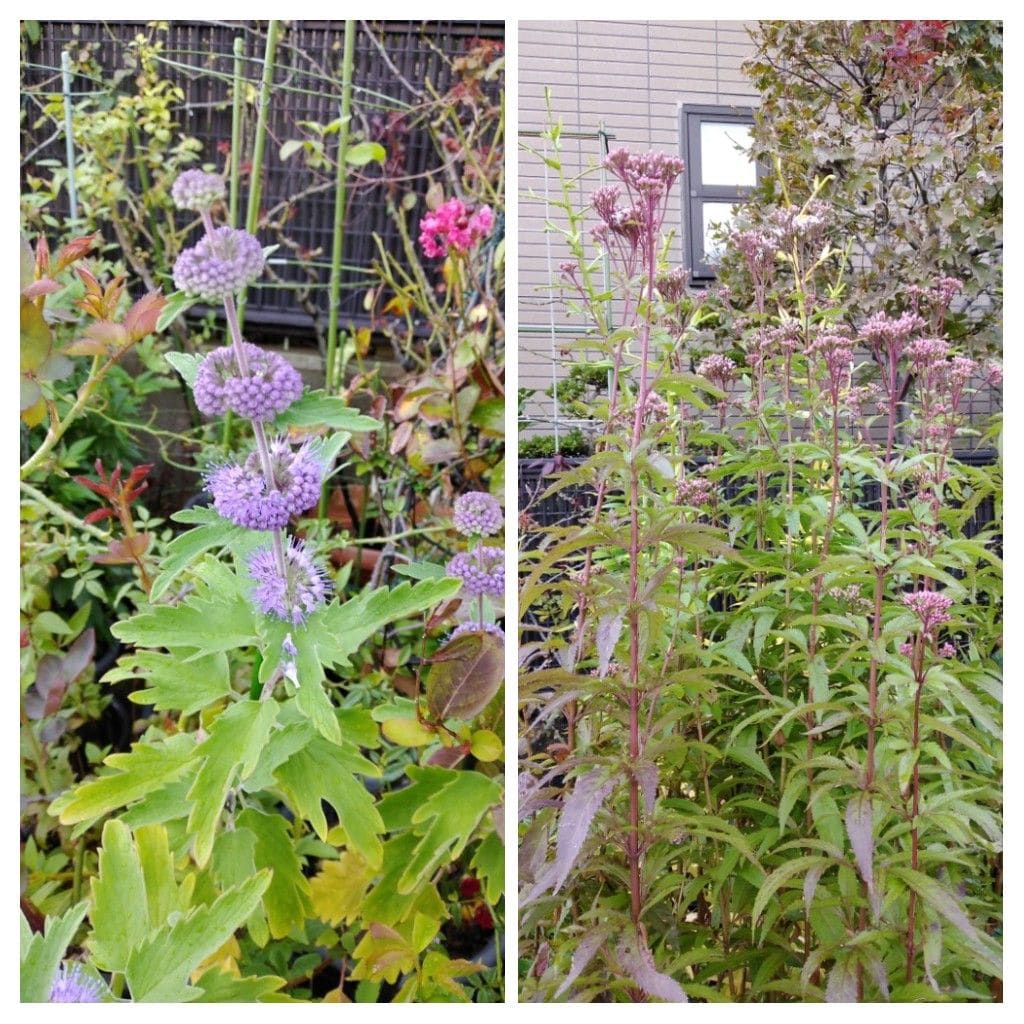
228	755
158	970
143	770
859	819
337	891
385	903
771	885
489	864
450	817
41	954
465	675
638	963
173	684
316	409
287	899
218	986
188	546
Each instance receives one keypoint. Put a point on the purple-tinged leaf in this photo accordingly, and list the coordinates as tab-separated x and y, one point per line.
842	983
859	827
581	957
609	629
638	963
932	952
578	810
811	880
876	968
646	773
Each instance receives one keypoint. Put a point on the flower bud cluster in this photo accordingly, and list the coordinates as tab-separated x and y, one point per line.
452	226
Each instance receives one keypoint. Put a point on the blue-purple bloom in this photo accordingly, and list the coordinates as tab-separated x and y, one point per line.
270	386
477	514
219	264
242	495
478	627
73	985
291	597
482	571
197	190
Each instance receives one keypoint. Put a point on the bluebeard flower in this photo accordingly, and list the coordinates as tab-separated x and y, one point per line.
270	386
197	190
291	597
242	495
477	514
478	627
219	265
73	985
482	572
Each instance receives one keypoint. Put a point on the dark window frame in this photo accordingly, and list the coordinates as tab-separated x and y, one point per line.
695	193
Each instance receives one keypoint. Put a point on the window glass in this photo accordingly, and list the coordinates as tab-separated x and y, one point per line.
715	214
722	157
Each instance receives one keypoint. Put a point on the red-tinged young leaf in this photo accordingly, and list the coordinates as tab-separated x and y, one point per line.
45	286
73	251
42	259
448	757
98	515
124	550
142	318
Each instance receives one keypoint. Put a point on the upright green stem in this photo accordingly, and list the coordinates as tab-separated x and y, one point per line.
236	130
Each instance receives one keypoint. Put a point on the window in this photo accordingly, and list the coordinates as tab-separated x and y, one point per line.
719	172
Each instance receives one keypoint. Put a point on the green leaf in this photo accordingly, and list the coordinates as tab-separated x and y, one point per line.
228	755
449	817
41	954
944	903
158	970
386	903
177	303
771	885
363	153
287	899
173	684
465	675
326	771
186	364
144	769
188	546
218	986
290	148
316	409
489	863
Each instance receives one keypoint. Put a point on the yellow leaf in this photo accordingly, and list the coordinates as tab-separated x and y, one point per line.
363	337
224	959
339	888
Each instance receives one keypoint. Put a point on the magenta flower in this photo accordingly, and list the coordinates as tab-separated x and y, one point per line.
477	514
219	265
931	607
241	492
482	572
295	595
452	226
270	386
73	985
197	190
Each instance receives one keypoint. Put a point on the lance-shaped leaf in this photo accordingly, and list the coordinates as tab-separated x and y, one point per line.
228	755
159	968
578	811
41	954
464	676
859	827
581	957
143	770
842	982
638	963
609	629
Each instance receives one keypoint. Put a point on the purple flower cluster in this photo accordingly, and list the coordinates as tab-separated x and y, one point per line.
73	985
478	627
293	595
671	285
477	514
718	369
696	491
925	352
244	494
219	265
197	190
882	331
931	607
649	173
269	386
481	571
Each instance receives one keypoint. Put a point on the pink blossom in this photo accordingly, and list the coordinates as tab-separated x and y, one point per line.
931	607
451	226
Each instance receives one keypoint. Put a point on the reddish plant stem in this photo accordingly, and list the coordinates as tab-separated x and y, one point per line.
915	803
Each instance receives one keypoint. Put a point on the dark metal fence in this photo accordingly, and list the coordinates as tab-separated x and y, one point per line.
390	58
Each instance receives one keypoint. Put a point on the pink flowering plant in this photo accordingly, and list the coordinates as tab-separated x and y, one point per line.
282	828
761	686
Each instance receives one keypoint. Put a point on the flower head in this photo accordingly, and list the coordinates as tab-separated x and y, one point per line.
296	594
882	331
671	285
697	491
718	369
478	627
242	493
482	571
197	190
931	607
452	226
219	264
477	514
925	352
652	173
73	985
269	387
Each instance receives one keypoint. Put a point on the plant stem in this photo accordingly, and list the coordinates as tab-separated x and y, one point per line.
236	131
62	514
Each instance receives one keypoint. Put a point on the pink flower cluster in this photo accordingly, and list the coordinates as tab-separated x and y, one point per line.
696	491
718	369
931	607
452	226
650	173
